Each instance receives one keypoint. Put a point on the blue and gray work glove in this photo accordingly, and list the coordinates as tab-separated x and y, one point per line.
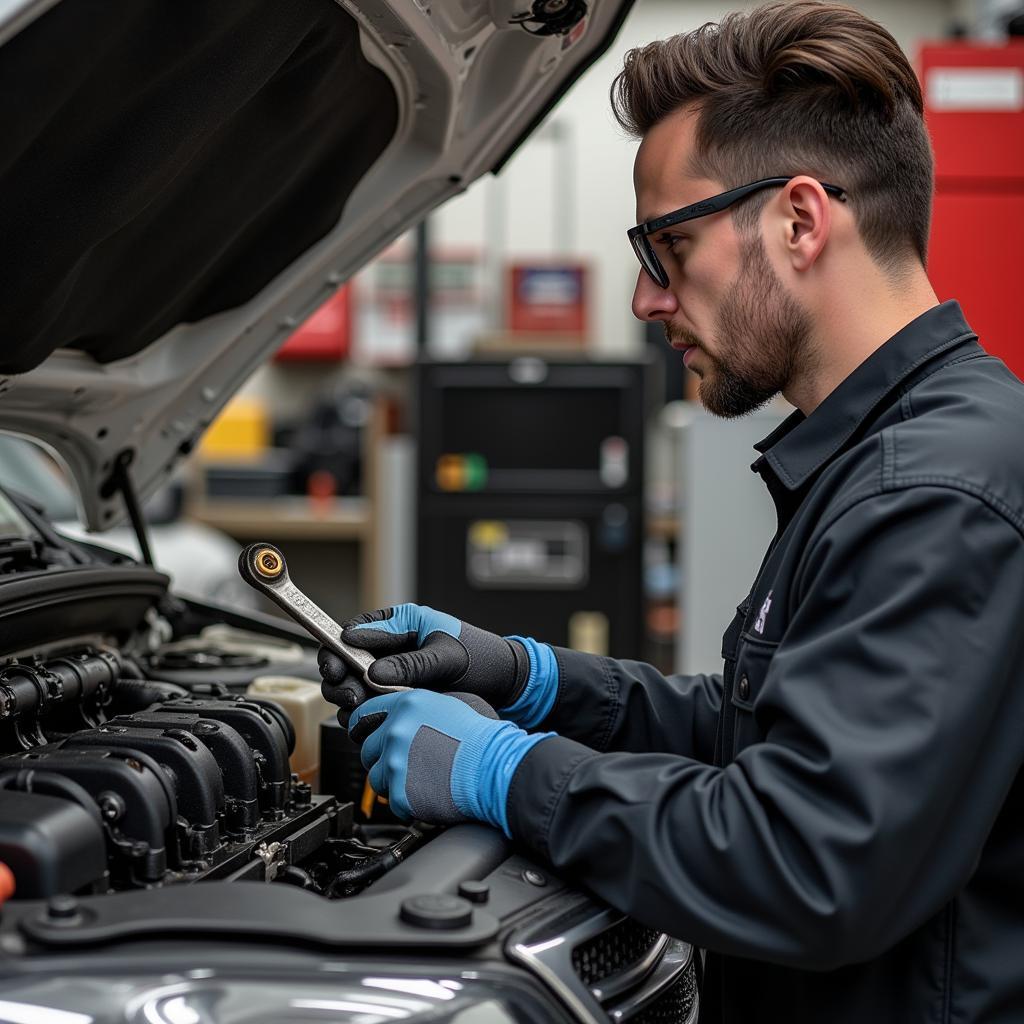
440	758
419	647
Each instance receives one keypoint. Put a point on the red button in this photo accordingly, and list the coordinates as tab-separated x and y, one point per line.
6	883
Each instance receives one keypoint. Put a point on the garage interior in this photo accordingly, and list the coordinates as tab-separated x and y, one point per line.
472	420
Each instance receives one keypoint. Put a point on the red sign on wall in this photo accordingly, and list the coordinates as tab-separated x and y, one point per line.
326	335
548	297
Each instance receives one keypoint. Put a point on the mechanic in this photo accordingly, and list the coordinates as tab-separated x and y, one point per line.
838	817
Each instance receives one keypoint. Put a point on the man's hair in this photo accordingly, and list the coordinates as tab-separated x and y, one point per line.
797	88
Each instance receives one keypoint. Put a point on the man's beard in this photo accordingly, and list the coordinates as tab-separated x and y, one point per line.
762	340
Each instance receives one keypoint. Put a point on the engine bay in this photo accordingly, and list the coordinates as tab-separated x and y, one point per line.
137	749
153	791
112	780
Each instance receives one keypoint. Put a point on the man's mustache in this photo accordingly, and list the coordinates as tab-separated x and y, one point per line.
680	335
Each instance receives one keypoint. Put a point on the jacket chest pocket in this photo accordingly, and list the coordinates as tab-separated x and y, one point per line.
753	659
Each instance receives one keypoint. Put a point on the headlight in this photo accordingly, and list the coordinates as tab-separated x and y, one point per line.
207	997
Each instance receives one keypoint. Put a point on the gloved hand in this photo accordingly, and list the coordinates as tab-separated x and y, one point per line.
438	758
417	646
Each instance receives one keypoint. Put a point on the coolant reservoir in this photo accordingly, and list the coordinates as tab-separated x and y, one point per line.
304	705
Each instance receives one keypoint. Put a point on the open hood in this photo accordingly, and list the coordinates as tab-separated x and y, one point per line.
182	184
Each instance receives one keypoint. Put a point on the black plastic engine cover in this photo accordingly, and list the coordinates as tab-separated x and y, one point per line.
263	734
233	755
135	794
51	845
189	789
198	784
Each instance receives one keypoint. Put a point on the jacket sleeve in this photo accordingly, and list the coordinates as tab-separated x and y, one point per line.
631	706
891	719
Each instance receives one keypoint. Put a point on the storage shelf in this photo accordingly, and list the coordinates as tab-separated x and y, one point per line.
286	518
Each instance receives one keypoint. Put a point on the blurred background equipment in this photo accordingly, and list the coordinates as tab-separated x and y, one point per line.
531	498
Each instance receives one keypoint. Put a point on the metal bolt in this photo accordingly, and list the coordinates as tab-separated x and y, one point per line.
111	806
534	877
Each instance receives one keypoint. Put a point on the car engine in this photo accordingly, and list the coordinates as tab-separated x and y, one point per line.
112	781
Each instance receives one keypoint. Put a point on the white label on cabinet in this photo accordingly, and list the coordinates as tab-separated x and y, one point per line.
976	89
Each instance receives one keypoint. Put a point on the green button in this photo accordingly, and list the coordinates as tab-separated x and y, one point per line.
476	472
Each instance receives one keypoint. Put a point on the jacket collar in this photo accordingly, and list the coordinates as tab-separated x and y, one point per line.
801	445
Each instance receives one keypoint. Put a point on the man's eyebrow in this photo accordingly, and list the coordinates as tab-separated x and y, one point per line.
665	213
655	216
682	228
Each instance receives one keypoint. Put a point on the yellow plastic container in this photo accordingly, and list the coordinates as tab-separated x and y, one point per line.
304	705
240	433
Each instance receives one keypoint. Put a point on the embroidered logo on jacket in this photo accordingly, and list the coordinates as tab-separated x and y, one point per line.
763	614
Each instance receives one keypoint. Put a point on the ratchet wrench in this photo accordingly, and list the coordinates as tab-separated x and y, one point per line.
263	567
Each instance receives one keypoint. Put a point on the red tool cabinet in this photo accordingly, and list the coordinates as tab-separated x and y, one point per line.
974	100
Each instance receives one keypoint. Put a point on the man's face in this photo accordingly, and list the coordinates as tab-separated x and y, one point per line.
725	307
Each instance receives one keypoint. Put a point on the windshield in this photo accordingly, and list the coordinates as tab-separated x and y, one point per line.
29	470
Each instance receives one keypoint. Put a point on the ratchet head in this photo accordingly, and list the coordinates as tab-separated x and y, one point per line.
262	565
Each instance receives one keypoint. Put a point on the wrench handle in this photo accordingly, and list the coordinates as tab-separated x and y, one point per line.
319	624
270	577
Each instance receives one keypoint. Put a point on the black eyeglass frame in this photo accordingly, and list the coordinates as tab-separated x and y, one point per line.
638	236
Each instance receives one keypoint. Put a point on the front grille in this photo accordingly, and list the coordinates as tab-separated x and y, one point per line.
673	1006
607	967
612	952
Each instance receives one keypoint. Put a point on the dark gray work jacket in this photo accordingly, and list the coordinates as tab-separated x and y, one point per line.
838	818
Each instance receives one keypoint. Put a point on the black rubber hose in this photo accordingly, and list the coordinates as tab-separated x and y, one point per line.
351	881
138	694
293	875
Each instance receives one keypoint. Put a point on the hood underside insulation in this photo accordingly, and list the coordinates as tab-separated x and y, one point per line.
163	162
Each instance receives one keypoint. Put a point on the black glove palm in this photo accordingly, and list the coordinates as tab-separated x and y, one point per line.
419	647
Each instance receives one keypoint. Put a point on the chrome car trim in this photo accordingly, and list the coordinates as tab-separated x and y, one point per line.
672	967
619	983
546	951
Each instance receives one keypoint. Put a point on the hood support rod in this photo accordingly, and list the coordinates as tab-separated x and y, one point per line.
120	480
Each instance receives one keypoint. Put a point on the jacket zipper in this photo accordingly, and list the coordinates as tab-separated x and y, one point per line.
947	995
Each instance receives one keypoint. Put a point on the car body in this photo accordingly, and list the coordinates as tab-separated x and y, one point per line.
182	184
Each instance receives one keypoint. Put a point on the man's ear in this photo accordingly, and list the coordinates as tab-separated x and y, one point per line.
807	220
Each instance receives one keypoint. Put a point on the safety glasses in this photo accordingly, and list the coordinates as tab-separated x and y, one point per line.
639	237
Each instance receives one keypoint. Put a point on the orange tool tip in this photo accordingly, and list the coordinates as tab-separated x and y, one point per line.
366	804
7	885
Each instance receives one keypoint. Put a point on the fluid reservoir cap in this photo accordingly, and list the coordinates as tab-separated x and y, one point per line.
62	909
439	911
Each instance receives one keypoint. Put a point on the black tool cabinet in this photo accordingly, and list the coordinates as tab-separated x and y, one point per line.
530	497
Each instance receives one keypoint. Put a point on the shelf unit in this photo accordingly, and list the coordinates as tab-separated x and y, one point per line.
300	518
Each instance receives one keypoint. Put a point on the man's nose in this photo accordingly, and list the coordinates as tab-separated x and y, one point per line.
650	302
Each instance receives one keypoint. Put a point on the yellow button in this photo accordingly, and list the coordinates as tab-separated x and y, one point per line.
488	533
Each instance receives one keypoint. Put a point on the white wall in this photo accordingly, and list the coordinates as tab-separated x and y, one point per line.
541	197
